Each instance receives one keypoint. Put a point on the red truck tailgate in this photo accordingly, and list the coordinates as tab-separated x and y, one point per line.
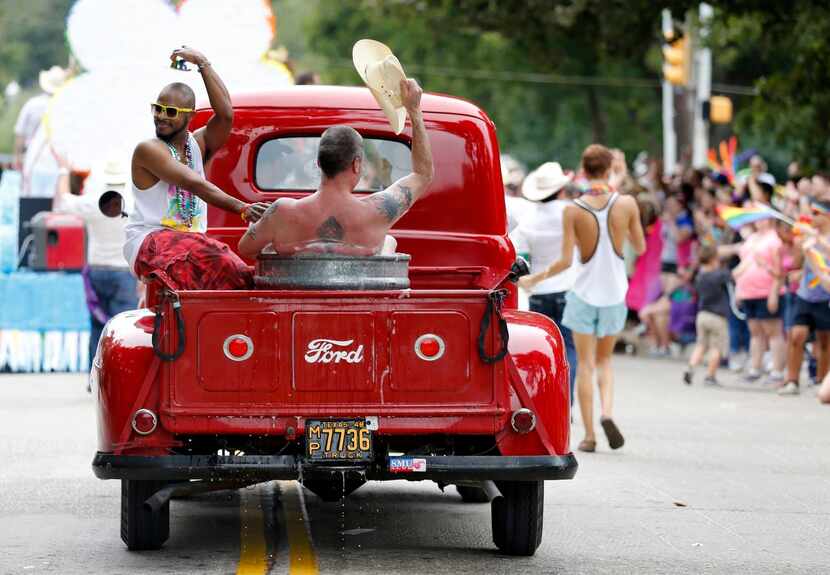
326	353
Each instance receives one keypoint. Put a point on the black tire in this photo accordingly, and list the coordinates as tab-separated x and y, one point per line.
517	517
470	494
141	528
332	488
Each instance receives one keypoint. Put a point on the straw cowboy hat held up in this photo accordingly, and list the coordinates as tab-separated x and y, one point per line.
382	73
545	181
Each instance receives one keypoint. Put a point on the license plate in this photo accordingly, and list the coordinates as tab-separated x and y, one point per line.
338	439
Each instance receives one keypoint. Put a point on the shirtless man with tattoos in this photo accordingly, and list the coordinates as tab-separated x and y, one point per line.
332	218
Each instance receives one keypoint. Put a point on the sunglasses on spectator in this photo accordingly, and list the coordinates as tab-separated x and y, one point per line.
171	112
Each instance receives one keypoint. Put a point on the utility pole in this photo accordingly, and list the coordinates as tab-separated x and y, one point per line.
669	136
703	81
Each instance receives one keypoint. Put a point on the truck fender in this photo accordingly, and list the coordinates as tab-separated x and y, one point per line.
537	376
124	377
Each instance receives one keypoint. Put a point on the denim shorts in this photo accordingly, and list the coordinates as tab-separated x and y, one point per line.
815	315
757	309
601	321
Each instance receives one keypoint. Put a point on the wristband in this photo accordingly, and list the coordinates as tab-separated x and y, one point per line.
203	65
242	213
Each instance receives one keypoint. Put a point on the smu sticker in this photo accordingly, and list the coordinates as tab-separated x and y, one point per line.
407	465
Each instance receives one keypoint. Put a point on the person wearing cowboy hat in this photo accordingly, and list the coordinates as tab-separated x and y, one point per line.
538	238
28	120
512	175
110	287
332	218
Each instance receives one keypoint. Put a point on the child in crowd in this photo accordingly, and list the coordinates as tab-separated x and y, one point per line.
713	303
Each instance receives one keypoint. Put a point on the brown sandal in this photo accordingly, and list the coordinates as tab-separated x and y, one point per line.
587	445
612	432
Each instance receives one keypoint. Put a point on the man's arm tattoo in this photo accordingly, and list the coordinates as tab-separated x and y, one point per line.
406	193
393	203
330	230
389	206
270	209
252	231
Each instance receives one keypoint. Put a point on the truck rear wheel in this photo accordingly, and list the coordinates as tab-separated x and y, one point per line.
471	494
517	517
142	528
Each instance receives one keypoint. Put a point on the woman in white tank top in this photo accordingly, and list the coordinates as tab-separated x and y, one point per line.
595	310
602	280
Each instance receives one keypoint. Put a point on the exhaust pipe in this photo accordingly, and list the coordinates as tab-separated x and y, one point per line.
161	497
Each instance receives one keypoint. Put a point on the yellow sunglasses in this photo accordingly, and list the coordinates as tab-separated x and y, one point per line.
171	112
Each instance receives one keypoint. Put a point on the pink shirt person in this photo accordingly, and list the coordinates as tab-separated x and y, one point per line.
759	255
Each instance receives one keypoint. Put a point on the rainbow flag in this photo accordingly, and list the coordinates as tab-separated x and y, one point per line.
738	217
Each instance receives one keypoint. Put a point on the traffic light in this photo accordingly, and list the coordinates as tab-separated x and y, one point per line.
720	110
676	56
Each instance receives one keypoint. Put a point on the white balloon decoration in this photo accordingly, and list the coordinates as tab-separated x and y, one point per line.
230	33
107	34
125	47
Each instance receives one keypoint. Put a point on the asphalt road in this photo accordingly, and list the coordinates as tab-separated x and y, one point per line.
731	480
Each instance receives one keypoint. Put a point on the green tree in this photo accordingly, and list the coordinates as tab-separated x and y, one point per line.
784	50
33	38
542	81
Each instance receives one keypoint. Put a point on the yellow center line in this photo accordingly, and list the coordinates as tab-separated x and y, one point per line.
302	559
252	560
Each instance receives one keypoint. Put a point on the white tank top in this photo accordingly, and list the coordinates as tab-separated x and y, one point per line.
158	208
602	281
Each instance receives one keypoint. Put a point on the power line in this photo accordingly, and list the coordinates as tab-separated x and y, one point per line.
553	79
736	90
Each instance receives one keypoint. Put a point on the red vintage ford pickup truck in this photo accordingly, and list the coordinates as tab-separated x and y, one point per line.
333	385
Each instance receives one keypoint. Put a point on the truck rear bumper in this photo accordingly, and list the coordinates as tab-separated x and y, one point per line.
257	468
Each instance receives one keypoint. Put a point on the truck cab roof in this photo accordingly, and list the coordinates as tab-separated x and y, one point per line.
344	97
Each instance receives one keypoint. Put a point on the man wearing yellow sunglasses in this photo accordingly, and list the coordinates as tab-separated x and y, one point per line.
171	193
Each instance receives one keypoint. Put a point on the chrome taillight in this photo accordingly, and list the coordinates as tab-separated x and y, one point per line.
523	420
430	347
238	347
144	422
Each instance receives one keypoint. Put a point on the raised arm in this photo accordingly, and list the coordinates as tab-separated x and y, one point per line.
394	201
215	133
64	201
635	227
154	158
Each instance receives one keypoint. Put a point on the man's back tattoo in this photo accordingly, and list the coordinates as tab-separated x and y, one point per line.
330	230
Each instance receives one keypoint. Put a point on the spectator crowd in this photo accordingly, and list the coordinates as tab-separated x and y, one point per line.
734	265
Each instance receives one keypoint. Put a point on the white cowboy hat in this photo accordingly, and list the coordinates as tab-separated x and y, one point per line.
114	172
545	181
52	79
382	73
512	172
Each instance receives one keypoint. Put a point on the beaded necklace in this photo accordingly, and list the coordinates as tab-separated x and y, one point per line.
596	188
185	203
